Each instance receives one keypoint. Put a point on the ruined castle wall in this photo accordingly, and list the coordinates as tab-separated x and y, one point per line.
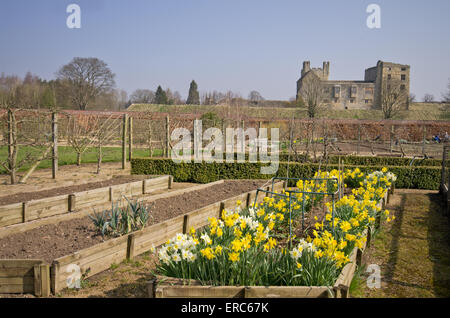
349	94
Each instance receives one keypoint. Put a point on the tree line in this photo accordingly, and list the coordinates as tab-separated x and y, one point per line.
89	83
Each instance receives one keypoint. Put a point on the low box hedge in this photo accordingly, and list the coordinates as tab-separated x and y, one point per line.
364	160
407	177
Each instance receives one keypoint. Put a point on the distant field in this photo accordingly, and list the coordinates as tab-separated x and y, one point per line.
418	111
67	156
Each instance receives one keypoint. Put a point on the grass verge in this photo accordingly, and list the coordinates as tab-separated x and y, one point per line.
413	251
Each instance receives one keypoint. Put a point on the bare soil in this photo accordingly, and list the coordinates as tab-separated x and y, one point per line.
67	176
56	240
35	195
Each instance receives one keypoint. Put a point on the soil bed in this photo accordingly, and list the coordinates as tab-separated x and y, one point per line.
56	240
35	195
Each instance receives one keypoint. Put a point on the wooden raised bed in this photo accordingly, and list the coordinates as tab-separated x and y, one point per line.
37	209
100	257
148	197
24	276
168	287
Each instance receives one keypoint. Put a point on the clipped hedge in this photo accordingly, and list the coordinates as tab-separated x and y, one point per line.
382	161
363	160
407	177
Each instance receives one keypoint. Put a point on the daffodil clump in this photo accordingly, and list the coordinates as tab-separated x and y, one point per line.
352	216
353	178
240	248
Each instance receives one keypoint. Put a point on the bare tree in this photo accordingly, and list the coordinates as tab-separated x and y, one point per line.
86	79
428	98
81	132
255	97
412	98
313	94
142	96
394	98
104	134
26	133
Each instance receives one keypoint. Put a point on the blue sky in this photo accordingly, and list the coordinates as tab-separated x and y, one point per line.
238	45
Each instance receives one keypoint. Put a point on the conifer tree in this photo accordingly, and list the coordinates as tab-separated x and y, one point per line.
194	96
160	96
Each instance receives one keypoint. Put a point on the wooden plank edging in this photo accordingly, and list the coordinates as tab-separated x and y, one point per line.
141	242
24	212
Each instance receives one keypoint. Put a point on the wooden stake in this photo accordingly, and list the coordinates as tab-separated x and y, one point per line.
42	280
55	144
72	199
24	212
186	223
167	137
130	246
130	138
124	141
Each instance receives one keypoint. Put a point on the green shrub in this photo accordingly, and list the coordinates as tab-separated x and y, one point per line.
407	177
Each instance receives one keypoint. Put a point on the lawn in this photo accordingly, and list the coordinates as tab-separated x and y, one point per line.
67	156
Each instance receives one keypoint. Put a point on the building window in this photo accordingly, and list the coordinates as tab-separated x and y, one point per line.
353	91
352	101
402	87
337	91
368	91
403	77
367	101
389	76
403	68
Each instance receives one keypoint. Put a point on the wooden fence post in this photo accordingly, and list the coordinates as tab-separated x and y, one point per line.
170	182
24	212
54	274
221	208
186	223
55	144
167	152
130	246
124	141
247	200
130	138
42	280
72	199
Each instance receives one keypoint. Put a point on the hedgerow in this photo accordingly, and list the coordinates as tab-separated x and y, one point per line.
407	176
